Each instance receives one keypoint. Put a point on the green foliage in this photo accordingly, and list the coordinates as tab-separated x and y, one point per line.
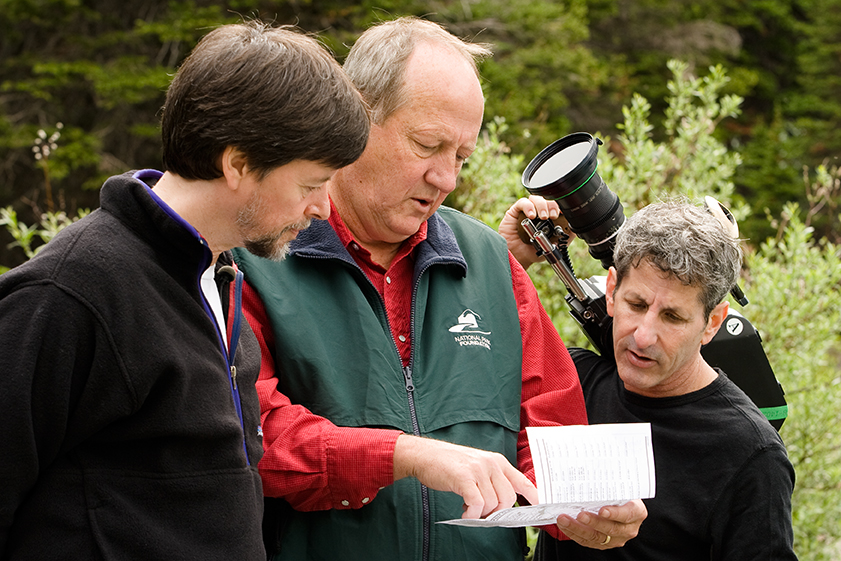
815	106
768	175
23	234
182	24
794	284
31	239
783	58
793	280
559	66
690	161
102	69
538	49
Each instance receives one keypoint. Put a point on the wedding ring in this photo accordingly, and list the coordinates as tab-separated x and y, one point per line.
606	540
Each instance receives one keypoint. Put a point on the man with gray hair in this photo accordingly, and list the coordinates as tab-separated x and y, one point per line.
411	349
724	481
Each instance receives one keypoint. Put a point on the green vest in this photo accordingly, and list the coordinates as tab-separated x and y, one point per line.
336	356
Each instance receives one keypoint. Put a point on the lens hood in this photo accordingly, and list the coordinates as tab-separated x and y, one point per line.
554	175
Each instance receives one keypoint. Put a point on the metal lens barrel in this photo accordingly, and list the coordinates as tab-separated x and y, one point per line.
565	171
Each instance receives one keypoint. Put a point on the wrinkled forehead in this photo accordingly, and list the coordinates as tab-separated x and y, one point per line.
652	284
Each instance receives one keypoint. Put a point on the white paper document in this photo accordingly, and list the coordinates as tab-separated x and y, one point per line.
581	467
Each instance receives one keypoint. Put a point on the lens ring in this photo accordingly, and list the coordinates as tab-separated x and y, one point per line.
571	181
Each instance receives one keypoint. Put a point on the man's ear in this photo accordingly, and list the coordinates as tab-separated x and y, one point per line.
234	166
717	317
609	287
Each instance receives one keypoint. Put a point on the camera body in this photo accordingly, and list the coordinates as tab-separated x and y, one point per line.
595	214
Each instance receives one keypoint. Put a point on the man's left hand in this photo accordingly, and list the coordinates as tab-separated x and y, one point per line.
510	229
612	527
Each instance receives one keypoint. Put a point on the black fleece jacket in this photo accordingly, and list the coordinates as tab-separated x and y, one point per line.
120	437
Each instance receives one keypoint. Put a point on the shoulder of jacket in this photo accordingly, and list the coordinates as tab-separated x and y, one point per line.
450	214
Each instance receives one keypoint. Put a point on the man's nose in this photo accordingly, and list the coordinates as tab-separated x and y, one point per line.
645	334
442	173
318	207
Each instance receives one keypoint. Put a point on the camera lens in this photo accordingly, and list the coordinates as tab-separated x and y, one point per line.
565	171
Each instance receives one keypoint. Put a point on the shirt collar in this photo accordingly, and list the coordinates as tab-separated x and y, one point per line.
356	248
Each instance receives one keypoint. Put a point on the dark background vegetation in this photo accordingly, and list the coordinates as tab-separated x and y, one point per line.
100	68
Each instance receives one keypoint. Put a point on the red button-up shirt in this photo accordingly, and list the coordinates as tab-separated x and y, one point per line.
315	465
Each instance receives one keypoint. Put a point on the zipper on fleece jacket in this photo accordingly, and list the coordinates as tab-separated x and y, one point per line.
427	517
236	329
149	177
229	352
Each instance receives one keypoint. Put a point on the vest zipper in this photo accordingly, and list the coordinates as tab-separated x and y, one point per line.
410	397
410	389
427	515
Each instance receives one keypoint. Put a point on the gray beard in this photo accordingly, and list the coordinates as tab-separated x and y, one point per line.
268	247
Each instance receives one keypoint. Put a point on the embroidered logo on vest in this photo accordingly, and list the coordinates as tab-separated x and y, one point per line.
470	334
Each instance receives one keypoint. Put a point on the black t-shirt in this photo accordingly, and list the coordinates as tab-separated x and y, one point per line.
724	481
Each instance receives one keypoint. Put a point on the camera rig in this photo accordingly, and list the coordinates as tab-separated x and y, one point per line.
736	348
565	171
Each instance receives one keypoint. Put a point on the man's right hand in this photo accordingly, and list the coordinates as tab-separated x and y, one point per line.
485	480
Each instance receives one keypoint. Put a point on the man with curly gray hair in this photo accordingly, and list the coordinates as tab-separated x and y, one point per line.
683	240
724	481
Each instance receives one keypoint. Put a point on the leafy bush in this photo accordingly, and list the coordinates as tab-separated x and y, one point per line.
31	239
794	284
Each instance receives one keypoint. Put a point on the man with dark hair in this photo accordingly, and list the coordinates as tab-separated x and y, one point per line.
131	425
417	351
724	481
